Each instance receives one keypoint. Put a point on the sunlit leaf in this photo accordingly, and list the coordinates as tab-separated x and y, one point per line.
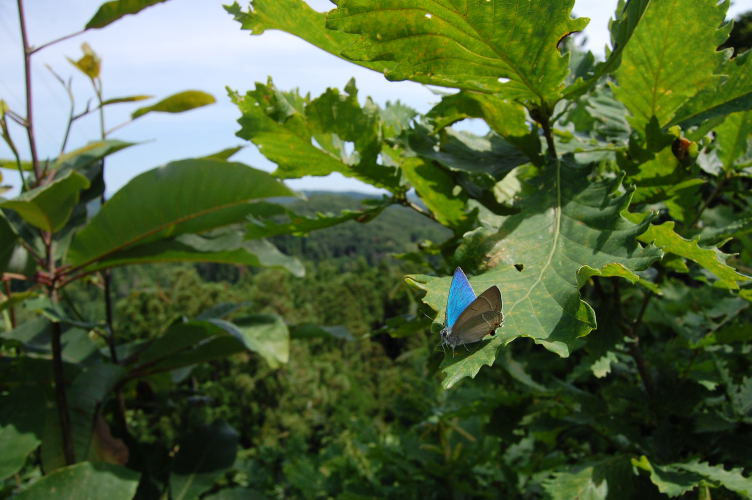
678	478
111	11
491	45
89	64
566	223
48	207
177	103
664	237
655	79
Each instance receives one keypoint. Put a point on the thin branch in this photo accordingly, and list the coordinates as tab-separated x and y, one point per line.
634	347
57	40
11	309
29	104
60	395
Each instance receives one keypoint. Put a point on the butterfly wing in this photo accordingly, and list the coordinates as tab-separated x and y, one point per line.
461	295
480	318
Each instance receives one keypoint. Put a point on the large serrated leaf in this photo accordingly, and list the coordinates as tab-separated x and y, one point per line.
310	137
733	92
678	478
664	237
655	79
567	223
182	197
491	45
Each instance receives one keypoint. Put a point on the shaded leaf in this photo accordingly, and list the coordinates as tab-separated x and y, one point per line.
111	11
182	197
177	103
664	237
21	423
654	79
436	188
81	158
49	207
266	334
610	479
8	237
227	248
204	454
492	46
85	481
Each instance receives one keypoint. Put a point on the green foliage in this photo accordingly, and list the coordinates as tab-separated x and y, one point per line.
609	201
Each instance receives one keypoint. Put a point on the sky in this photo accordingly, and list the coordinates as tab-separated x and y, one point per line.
189	44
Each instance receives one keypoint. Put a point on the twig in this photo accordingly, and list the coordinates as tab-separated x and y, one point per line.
634	347
60	395
57	40
11	309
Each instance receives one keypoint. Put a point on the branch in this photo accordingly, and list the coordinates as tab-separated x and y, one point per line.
29	107
52	42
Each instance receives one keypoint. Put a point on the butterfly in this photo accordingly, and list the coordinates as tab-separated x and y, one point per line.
469	318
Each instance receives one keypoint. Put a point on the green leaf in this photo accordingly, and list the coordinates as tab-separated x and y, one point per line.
609	479
309	137
470	45
88	391
664	237
84	481
567	222
48	207
227	248
732	92
299	19
130	98
436	188
21	423
266	334
664	179
90	64
225	154
655	79
111	11
678	478
83	157
627	18
177	103
203	455
26	166
280	220
734	140
182	197
8	237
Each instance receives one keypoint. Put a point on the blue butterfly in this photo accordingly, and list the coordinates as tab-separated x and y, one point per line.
469	319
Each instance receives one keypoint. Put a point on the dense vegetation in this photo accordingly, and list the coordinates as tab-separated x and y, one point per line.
204	334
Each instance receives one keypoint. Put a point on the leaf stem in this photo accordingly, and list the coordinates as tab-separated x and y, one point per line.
11	308
60	394
56	40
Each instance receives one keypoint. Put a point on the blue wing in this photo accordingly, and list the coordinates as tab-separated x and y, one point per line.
461	295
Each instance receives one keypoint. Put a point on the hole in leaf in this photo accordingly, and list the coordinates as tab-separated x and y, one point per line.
503	80
519	267
428	16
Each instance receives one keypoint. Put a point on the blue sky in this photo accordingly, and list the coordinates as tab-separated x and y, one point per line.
189	44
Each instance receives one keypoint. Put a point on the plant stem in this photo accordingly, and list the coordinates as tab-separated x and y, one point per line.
634	347
11	309
52	42
60	394
29	121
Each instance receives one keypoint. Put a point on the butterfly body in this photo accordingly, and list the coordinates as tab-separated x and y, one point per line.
470	318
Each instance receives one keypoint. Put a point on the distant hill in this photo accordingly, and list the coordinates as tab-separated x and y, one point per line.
398	229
